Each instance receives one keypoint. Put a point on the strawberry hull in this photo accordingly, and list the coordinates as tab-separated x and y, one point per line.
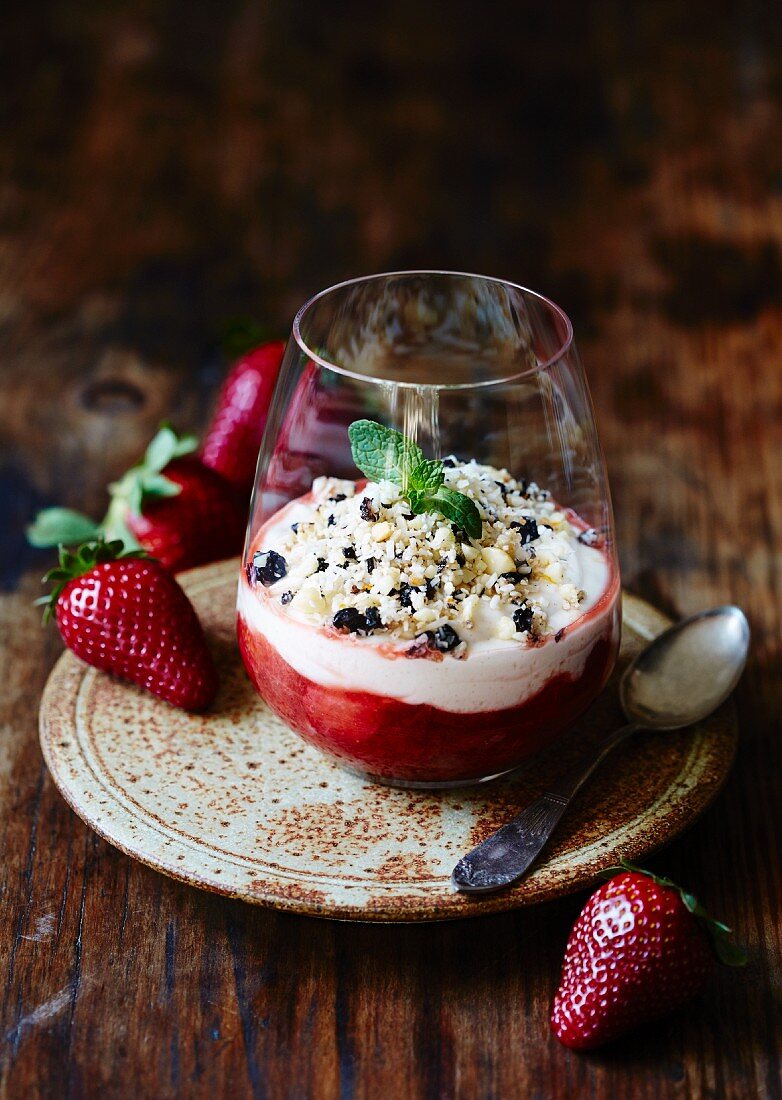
419	744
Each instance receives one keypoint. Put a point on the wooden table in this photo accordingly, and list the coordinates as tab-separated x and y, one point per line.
164	168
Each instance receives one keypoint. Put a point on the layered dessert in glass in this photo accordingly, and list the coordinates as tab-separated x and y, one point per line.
412	652
439	631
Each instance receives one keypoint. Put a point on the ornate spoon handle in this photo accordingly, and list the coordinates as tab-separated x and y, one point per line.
505	855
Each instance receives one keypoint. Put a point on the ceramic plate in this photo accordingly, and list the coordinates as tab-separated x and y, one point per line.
234	802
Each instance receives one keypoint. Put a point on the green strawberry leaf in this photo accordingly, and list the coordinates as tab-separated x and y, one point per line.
156	485
728	952
76	563
146	479
239	335
165	446
56	526
383	454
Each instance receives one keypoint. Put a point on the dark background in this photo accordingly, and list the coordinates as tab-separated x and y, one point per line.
169	168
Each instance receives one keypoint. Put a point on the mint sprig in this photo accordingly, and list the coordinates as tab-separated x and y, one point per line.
383	454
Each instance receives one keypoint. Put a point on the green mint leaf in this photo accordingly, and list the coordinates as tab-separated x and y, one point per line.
61	526
428	475
456	507
384	454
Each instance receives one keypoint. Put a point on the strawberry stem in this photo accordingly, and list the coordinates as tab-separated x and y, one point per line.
145	480
75	563
726	950
53	526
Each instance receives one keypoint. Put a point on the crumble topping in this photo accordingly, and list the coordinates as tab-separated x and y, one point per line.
359	561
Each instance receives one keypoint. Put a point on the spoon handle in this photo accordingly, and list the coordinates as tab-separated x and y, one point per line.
505	855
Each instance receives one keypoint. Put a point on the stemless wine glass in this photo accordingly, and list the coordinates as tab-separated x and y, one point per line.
374	616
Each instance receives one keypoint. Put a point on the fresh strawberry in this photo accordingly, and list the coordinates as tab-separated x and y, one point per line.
201	523
234	436
640	948
169	504
123	612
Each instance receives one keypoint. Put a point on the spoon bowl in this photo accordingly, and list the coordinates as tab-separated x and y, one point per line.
680	678
688	671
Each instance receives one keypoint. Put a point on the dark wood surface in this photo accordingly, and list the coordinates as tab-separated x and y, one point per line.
166	167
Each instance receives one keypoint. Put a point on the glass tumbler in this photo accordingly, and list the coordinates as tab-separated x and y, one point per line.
429	592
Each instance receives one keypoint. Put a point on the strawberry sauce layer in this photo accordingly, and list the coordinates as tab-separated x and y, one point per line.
392	740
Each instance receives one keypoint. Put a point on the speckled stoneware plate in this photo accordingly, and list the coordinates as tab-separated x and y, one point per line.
234	802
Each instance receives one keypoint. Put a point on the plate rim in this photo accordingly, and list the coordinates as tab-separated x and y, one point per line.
70	675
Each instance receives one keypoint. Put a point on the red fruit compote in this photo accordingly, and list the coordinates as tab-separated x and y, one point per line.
414	654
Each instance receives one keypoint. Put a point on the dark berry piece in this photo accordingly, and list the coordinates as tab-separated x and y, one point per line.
445	638
408	516
367	511
514	578
405	592
560	634
351	621
286	597
330	521
370	564
322	565
349	552
295	528
431	588
338	497
528	530
502	487
523	483
449	462
372	620
522	618
461	560
269	567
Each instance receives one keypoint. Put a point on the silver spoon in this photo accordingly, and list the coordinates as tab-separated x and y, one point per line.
679	679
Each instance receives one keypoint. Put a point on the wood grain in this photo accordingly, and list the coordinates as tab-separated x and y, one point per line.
166	167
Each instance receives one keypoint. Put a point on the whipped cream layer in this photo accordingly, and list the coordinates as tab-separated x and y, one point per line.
493	675
495	667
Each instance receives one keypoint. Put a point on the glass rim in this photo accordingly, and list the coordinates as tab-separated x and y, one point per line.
543	365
